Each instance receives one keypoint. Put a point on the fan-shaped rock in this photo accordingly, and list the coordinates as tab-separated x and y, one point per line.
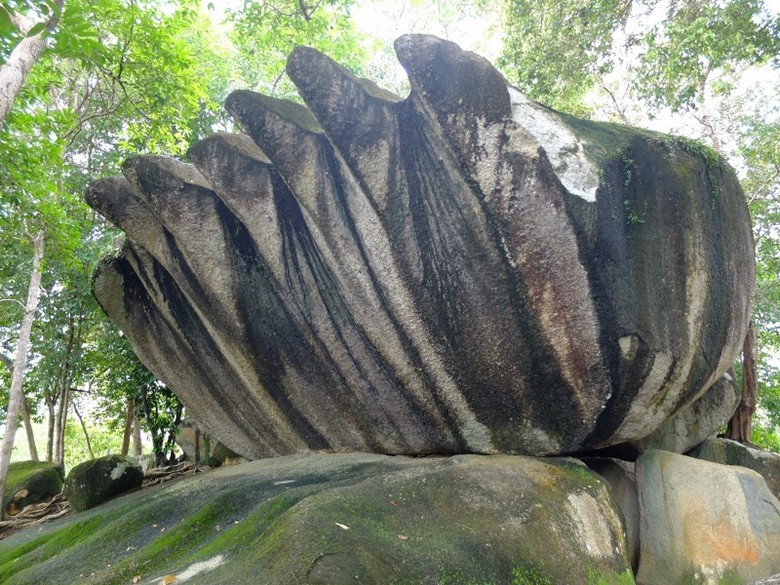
463	270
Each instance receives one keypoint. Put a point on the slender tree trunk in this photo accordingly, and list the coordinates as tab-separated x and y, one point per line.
170	441
50	400
63	421
15	70
207	448
84	428
23	346
128	427
137	445
72	347
62	385
24	412
157	438
740	426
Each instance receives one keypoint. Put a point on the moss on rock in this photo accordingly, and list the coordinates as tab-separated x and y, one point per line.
97	480
30	482
326	519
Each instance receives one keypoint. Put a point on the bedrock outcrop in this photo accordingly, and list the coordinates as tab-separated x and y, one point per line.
462	270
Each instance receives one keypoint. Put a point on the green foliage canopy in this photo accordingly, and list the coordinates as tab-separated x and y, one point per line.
266	32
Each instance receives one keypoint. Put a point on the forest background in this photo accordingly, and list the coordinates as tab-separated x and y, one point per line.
114	78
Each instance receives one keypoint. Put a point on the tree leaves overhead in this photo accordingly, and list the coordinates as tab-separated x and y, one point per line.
139	83
265	33
119	77
555	51
680	53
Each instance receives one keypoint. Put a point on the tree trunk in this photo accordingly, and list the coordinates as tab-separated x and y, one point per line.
24	412
137	445
84	428
50	400
62	421
128	427
72	347
15	395
170	441
207	448
740	426
157	444
15	70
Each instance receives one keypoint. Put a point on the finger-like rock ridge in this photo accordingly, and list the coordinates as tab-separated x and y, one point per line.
462	270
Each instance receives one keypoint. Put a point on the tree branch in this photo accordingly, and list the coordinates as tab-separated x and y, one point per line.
22	23
24	55
18	302
620	111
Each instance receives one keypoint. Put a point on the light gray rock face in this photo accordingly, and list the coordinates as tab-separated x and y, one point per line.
733	453
703	522
621	478
696	422
462	270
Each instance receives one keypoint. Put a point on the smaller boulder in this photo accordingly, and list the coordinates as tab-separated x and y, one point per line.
621	479
210	451
95	481
730	452
705	523
30	482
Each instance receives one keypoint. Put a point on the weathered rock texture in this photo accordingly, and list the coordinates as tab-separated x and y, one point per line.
93	482
696	422
462	270
343	518
732	453
702	522
621	478
30	482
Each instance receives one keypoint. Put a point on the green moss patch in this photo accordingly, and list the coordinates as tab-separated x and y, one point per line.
30	482
465	520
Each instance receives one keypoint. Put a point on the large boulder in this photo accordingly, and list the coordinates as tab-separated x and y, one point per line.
463	270
30	482
343	518
93	482
702	522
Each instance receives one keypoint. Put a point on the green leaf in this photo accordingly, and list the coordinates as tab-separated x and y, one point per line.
37	29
